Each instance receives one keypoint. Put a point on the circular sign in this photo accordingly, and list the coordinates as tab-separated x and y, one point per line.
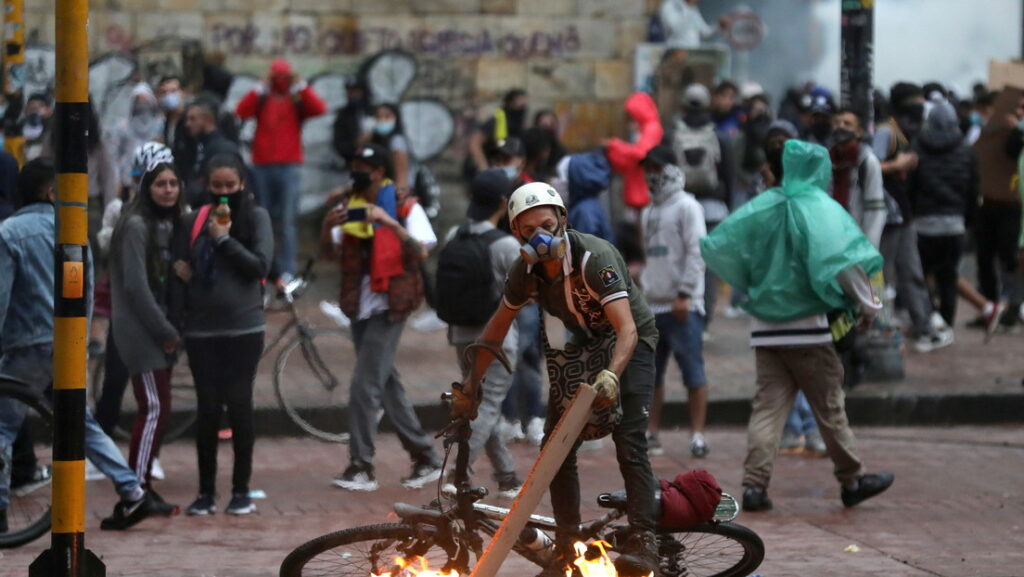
745	31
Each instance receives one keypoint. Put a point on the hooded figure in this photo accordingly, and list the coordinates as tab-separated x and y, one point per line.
589	176
945	183
787	247
625	156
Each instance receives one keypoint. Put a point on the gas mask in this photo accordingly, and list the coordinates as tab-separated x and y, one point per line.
544	245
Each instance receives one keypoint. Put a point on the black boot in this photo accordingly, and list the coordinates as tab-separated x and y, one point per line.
639	556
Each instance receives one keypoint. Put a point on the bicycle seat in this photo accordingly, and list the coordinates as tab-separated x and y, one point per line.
617	500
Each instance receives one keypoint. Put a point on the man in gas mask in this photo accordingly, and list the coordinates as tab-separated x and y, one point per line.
583	281
36	125
381	250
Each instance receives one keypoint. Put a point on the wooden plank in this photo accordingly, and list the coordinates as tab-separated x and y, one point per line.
562	438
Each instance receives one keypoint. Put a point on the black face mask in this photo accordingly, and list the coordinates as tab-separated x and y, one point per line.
910	117
515	117
773	156
361	180
841	136
821	131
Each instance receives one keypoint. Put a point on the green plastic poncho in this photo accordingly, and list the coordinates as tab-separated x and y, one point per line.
786	246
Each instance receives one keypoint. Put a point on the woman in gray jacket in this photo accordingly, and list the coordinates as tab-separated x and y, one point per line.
140	272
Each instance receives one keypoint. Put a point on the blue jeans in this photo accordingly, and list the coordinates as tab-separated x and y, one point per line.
33	365
685	342
524	397
279	187
800	420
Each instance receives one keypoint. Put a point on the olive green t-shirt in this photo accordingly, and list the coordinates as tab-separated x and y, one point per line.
596	275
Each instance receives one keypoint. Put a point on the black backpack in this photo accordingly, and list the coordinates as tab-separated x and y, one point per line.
465	284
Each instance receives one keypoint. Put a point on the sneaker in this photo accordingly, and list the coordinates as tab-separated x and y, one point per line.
756	499
92	473
428	322
156	471
41	477
639	556
707	337
535	431
654	447
937	340
732	312
992	319
128	513
356	478
509	489
158	506
510	431
203	505
422	473
867	486
333	311
699	446
240	504
791	443
814	446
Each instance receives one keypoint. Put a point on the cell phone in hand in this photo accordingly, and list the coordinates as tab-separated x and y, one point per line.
357	214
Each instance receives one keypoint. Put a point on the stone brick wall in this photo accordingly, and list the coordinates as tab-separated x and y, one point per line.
571	55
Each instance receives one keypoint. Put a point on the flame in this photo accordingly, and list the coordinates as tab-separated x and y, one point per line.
415	567
599	566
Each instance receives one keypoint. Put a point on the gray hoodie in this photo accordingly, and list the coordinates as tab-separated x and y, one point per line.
672	228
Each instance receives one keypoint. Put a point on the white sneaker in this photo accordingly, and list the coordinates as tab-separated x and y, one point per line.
699	446
535	431
929	343
732	312
333	312
510	431
92	473
428	322
156	471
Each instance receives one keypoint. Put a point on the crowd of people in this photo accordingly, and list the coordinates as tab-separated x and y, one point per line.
192	234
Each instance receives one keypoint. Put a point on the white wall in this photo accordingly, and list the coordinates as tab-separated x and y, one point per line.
950	41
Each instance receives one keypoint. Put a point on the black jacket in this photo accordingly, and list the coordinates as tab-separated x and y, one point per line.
945	182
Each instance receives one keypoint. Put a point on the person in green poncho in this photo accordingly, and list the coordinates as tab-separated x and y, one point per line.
800	258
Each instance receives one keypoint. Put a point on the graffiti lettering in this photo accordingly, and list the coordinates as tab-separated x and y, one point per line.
303	40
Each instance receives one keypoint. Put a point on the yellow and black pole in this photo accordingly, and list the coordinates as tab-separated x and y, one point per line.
14	77
67	556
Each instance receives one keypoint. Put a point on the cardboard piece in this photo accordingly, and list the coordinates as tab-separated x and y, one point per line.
996	169
562	438
1002	74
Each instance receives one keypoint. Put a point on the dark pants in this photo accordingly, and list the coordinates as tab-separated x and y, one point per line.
940	257
636	389
153	397
223	369
115	381
998	231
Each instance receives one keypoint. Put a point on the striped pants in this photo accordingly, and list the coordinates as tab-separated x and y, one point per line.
153	396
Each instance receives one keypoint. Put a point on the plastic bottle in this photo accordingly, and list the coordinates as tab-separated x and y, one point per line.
223	212
538	541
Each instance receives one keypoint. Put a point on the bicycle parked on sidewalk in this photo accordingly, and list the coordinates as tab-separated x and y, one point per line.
449	533
28	513
308	375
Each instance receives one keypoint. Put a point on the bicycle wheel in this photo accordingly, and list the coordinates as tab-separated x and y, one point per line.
360	551
183	401
28	513
311	380
710	550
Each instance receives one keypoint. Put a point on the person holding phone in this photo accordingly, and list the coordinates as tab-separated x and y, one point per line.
381	243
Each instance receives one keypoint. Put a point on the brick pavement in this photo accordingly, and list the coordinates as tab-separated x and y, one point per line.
957	507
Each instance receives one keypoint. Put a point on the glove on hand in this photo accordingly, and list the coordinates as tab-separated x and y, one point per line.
607	386
464	401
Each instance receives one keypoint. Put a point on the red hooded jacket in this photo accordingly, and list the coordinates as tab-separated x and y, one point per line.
625	156
279	117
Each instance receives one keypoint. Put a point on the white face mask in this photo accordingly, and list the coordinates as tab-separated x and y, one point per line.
511	171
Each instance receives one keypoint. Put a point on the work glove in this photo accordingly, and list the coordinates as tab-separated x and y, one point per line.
607	386
465	401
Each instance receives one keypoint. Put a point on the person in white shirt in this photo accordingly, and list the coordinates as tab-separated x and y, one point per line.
684	25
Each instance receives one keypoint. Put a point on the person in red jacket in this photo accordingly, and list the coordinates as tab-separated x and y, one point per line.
625	156
280	105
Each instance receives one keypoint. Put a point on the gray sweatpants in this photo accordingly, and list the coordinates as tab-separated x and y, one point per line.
376	384
485	427
903	265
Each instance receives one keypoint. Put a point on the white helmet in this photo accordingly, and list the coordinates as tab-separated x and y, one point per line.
150	154
532	195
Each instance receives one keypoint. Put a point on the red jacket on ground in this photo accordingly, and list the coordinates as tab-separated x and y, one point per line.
279	119
625	156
